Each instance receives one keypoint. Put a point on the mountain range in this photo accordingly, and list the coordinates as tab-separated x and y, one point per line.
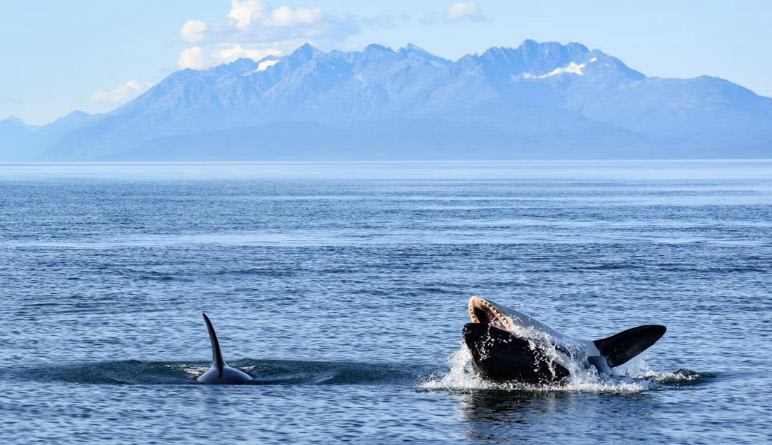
536	101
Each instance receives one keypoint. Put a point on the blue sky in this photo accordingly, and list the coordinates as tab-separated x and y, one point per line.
94	55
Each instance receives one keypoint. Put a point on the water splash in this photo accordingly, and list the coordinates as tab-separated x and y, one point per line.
637	376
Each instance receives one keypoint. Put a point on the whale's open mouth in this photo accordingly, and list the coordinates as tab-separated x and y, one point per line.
488	313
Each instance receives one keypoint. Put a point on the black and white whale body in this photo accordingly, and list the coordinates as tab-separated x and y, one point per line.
509	346
220	373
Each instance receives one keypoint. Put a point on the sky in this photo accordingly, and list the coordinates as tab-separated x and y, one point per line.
95	55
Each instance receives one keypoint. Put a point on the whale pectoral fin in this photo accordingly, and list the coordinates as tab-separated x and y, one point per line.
217	362
621	347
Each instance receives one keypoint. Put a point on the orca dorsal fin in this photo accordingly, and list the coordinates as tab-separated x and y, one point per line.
621	347
217	361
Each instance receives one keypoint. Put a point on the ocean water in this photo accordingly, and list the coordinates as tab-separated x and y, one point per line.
342	288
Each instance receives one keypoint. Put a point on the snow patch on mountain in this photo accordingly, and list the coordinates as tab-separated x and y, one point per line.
571	68
265	64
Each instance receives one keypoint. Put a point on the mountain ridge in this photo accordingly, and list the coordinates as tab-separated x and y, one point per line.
539	99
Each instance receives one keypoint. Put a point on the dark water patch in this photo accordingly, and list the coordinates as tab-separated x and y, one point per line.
609	266
265	372
713	270
159	277
126	372
333	373
268	272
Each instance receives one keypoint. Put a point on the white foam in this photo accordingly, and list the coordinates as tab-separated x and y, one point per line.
461	376
191	370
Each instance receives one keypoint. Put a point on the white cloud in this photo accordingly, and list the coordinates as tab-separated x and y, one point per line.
244	13
288	16
120	94
464	11
192	57
193	31
254	29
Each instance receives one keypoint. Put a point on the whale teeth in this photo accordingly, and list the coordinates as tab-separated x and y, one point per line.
496	317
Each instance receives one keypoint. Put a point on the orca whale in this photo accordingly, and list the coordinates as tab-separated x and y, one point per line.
220	373
509	346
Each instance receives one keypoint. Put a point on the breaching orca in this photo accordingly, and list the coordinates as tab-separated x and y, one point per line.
507	345
220	373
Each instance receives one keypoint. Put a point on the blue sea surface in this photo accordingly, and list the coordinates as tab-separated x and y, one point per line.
342	287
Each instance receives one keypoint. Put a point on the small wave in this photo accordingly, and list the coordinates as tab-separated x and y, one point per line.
635	378
682	377
265	372
609	266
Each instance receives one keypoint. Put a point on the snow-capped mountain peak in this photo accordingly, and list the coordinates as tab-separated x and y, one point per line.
534	99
